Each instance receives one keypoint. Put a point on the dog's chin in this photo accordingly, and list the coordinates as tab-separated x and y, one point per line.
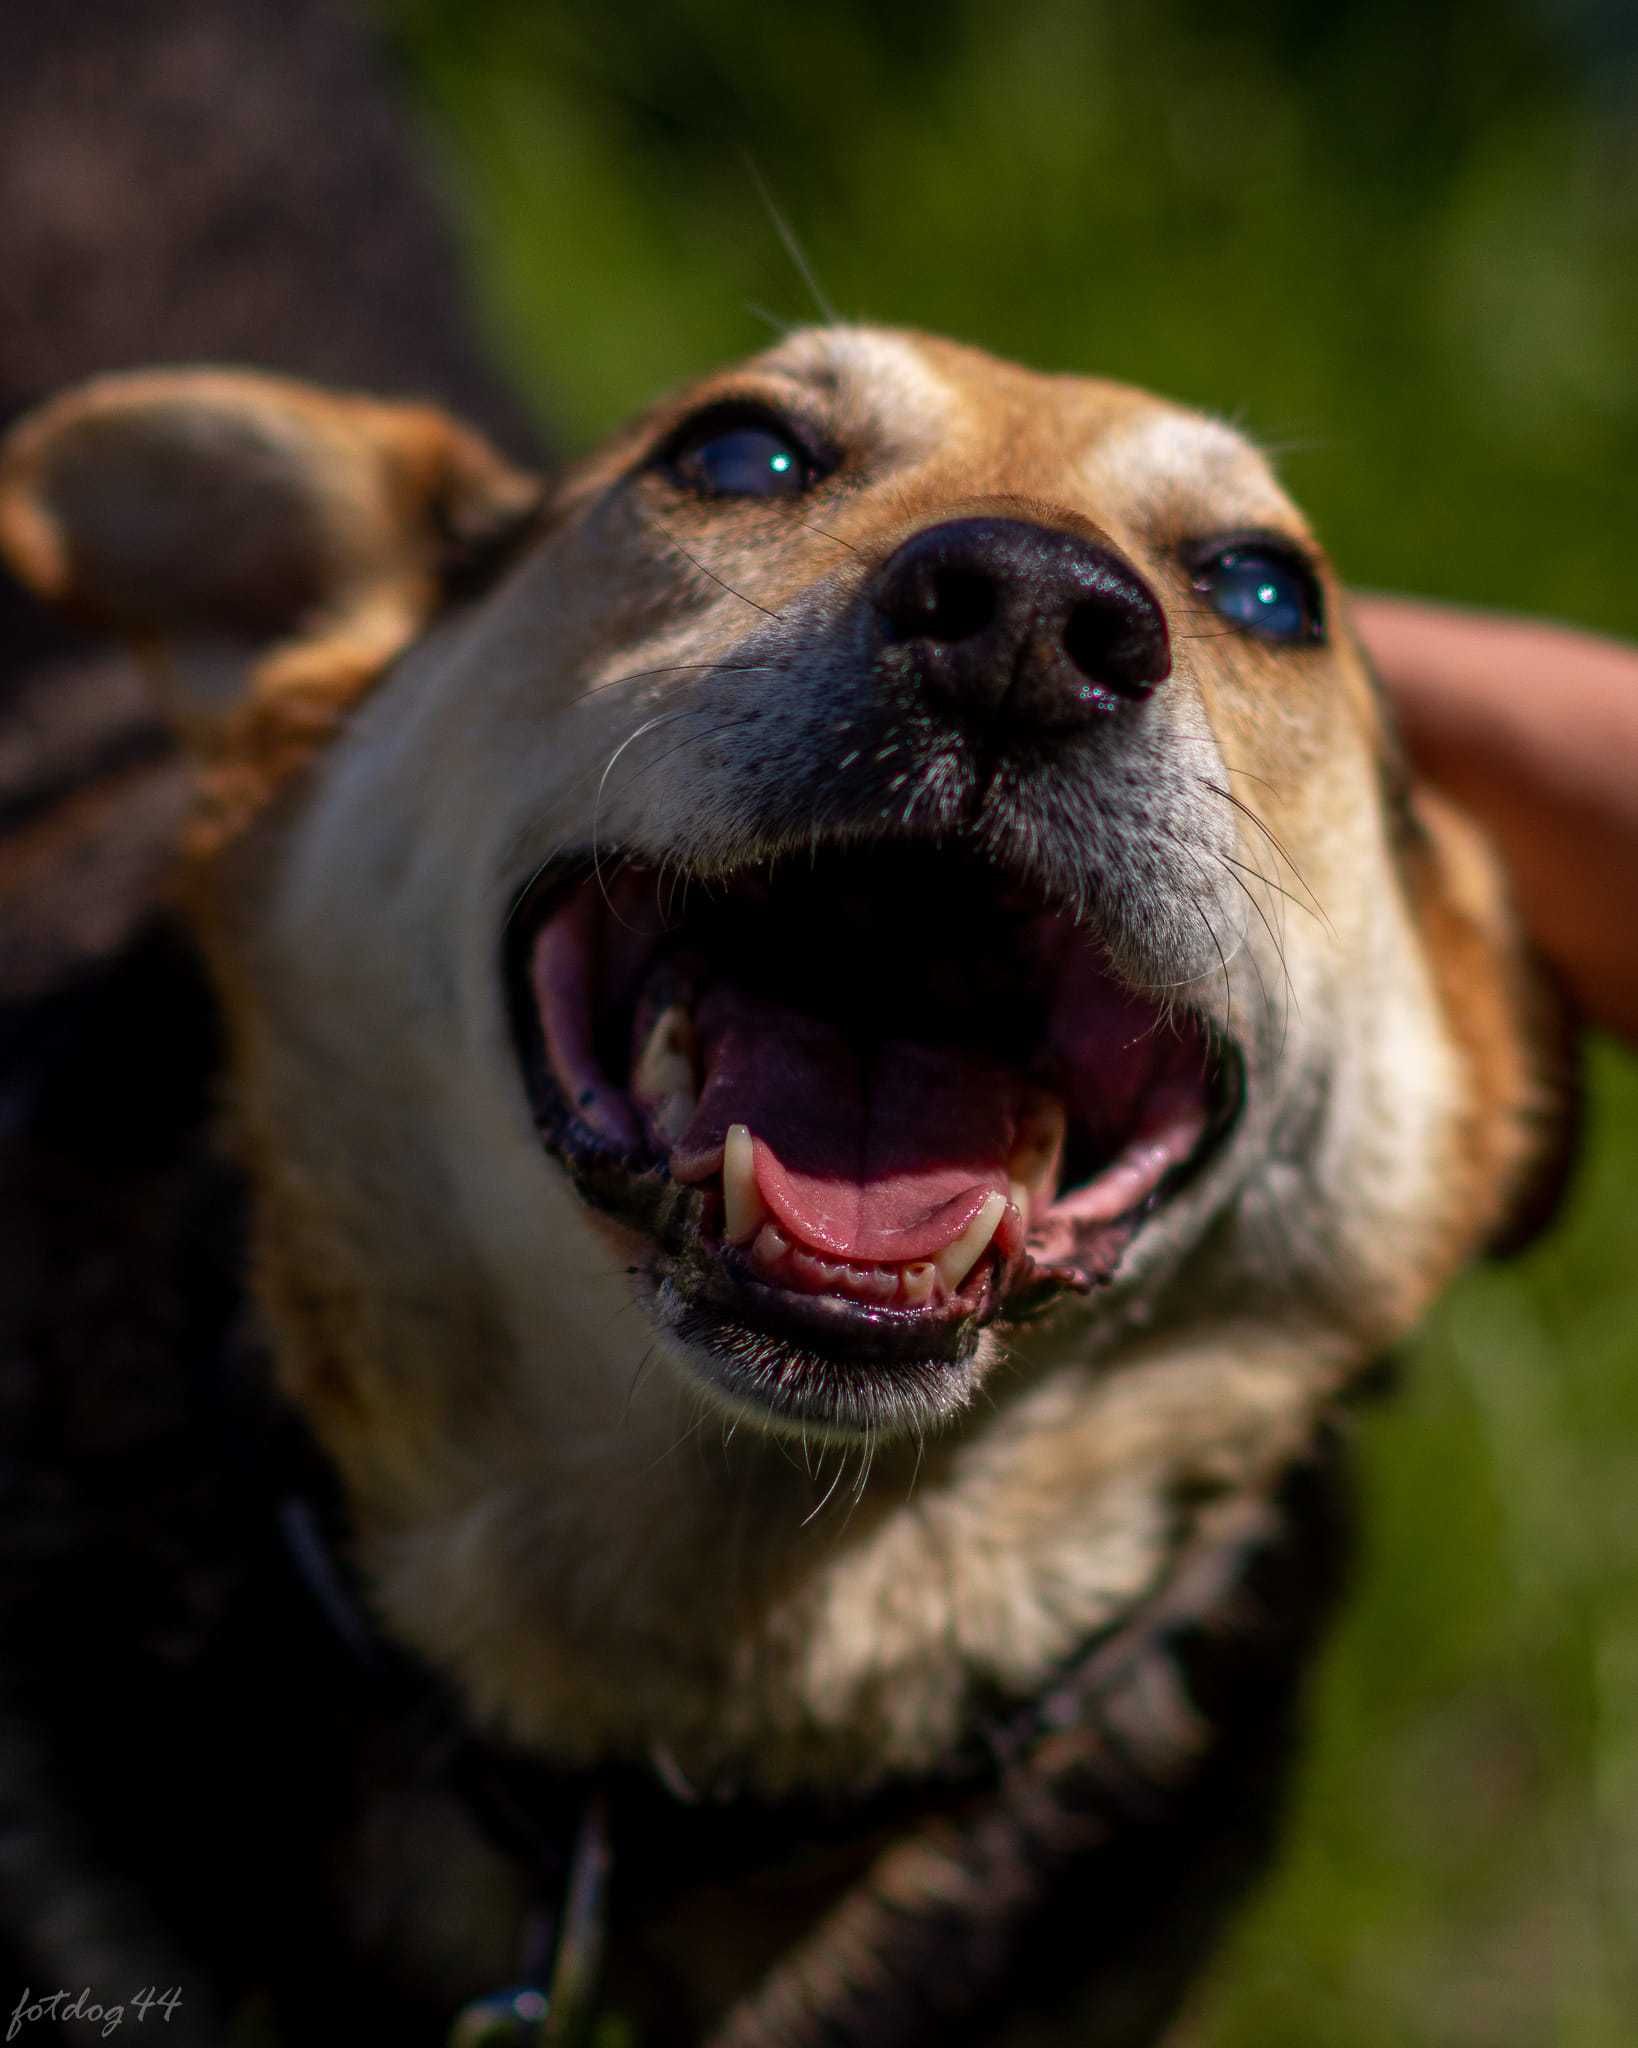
858	1115
843	1377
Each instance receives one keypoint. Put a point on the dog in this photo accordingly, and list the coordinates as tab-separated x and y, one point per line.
844	1037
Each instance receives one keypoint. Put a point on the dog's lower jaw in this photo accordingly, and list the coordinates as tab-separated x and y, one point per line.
775	1385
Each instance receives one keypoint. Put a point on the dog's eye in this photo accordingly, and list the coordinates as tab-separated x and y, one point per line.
740	455
1264	591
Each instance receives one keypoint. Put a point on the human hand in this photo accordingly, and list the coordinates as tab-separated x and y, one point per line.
1533	728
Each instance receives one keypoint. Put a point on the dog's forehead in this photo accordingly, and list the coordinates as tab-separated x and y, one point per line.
921	396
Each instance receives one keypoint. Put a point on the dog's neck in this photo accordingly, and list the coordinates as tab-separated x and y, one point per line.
952	1867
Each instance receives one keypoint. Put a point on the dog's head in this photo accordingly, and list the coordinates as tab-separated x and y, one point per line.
886	897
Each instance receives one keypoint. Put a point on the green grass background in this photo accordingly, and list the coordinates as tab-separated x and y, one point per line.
1399	243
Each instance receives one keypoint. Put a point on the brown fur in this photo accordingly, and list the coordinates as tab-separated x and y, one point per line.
464	1347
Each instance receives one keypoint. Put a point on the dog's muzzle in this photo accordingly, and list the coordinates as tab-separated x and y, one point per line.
877	1084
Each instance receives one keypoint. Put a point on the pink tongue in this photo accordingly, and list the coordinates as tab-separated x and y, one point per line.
877	1156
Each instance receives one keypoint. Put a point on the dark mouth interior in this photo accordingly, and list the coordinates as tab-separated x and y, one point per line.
879	1088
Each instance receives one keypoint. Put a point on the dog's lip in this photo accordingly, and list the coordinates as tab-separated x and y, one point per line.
867	1336
598	1134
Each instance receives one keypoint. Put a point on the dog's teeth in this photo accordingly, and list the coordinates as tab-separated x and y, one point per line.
744	1211
1037	1154
771	1246
916	1282
669	1119
664	1070
957	1260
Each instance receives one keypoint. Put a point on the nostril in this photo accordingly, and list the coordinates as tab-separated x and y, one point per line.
1114	641
941	601
963	604
1038	626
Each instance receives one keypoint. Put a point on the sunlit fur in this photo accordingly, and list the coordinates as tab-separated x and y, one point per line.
552	1502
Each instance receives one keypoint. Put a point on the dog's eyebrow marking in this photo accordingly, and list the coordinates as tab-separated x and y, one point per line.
755	377
822	376
1169	448
887	369
820	380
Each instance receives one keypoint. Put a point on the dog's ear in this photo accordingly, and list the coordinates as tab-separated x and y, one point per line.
268	547
211	504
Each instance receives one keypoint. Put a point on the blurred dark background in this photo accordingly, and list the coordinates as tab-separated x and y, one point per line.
1399	243
1396	242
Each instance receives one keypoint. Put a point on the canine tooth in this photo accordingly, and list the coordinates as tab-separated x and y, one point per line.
744	1211
916	1282
1036	1150
665	1066
673	1116
771	1245
957	1260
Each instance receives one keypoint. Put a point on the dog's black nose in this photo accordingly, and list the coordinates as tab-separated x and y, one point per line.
1026	625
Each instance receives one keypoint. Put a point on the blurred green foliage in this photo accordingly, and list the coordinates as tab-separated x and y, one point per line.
1399	243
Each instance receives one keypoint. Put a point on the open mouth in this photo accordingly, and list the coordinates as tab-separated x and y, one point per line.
860	1105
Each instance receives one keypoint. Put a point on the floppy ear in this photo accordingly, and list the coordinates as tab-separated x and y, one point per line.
267	547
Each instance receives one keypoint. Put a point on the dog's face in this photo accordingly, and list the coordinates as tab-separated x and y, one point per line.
891	919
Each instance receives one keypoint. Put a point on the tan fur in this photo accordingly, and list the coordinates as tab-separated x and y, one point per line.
607	1564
